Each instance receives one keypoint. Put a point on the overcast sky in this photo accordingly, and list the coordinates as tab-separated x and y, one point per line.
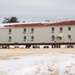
38	10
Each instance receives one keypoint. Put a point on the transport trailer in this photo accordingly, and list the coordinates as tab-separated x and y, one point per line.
37	45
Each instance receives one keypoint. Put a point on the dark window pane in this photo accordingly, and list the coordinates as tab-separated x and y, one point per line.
24	37
32	29
53	37
61	28
52	28
9	37
69	36
69	28
24	29
32	37
9	30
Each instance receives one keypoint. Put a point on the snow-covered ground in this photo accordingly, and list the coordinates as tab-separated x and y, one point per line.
41	46
42	64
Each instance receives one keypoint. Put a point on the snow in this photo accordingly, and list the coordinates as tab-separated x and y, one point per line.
43	64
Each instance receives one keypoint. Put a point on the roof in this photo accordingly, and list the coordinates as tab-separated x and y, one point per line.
63	23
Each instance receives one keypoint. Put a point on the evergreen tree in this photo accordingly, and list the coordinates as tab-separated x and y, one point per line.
10	20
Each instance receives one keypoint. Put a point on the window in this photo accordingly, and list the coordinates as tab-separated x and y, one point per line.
24	38
9	31
9	38
24	30
61	29
69	28
53	37
32	38
69	36
32	30
52	30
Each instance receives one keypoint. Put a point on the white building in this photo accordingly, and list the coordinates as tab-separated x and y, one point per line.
38	32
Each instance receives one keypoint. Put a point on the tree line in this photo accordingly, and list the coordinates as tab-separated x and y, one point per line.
14	20
10	20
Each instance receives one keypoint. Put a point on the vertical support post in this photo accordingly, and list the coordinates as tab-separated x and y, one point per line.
52	46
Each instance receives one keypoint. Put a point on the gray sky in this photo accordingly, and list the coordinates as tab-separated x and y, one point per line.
38	10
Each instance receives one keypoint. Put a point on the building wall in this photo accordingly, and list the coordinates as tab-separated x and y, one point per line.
3	35
65	32
40	34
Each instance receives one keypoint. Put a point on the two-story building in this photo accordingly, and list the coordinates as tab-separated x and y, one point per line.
57	32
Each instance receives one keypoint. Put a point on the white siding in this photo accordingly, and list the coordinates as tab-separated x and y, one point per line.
3	35
41	34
